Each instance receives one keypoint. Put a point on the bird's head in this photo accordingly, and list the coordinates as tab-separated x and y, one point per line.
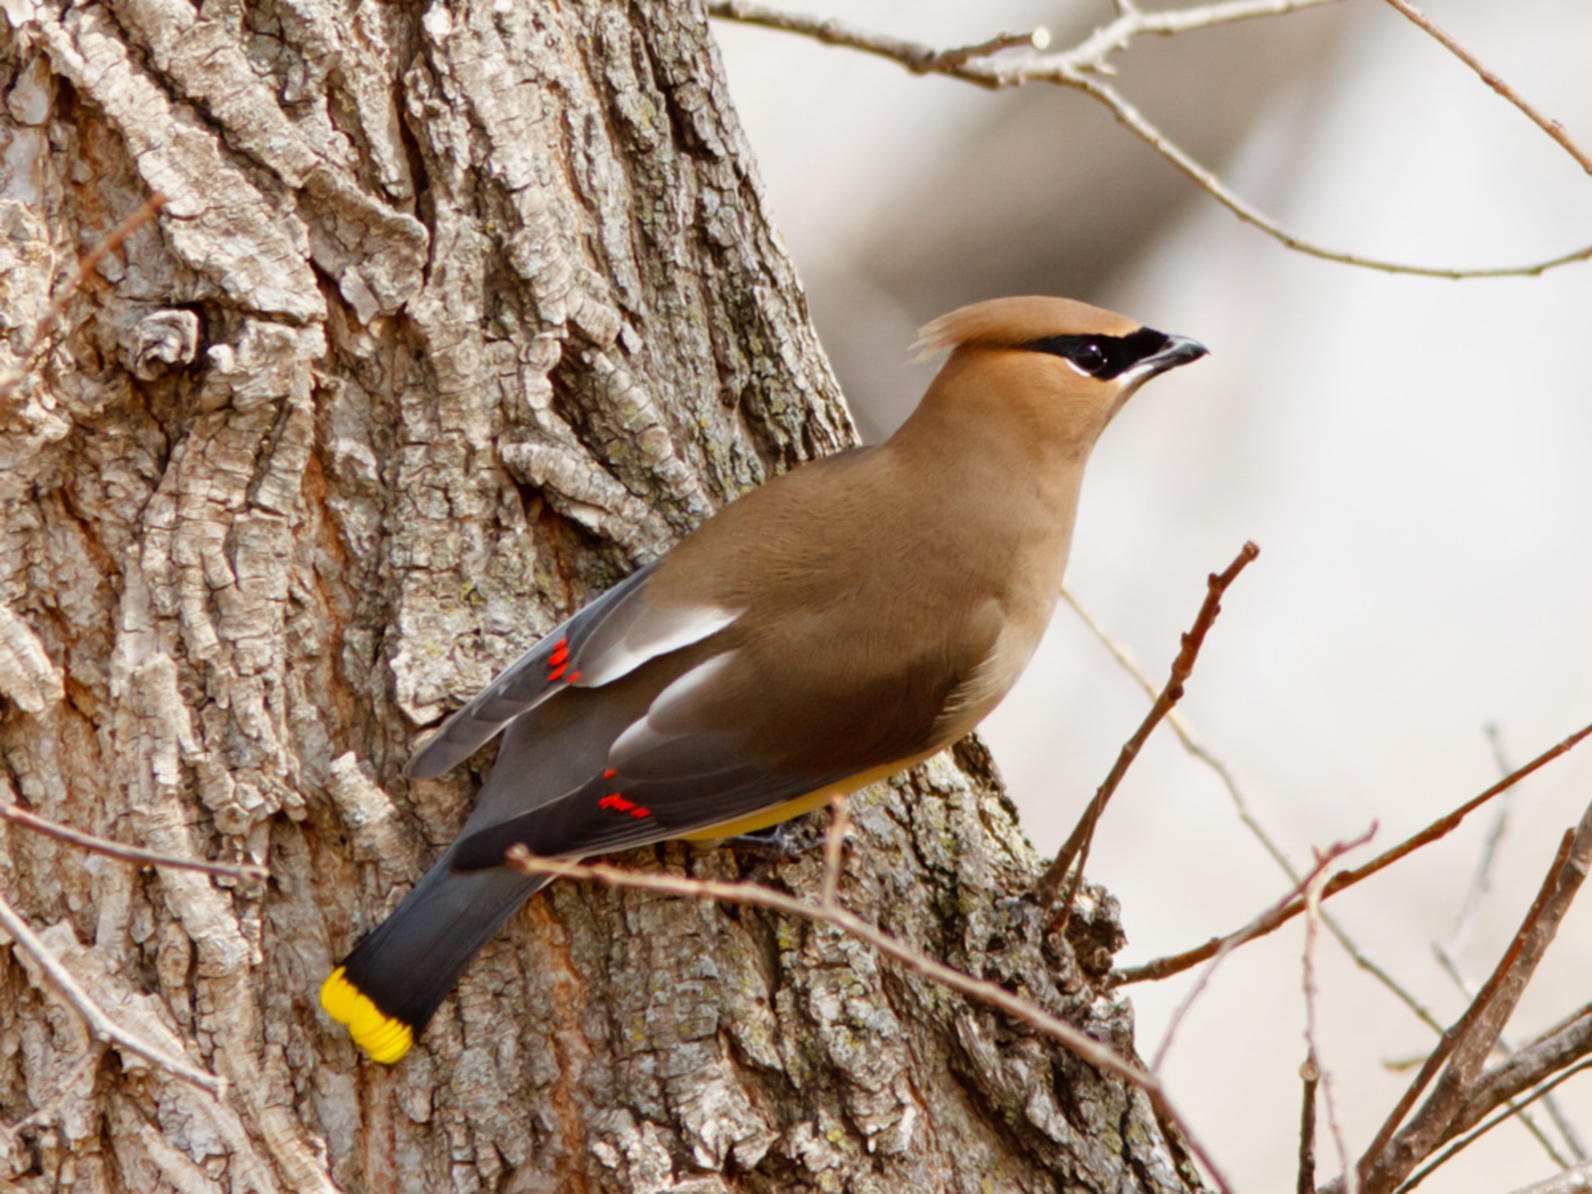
1061	368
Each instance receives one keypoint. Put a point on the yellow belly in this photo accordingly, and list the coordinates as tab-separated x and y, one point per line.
802	804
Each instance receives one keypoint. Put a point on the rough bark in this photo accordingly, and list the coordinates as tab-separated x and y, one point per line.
455	313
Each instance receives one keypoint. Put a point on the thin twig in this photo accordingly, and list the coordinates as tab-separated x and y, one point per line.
1078	68
1550	1102
1551	1051
1461	1032
1571	1181
1037	39
1088	54
835	846
1191	743
1077	845
1327	857
756	895
1118	35
1447	958
101	1025
1310	1074
1447	964
1481	878
1178	721
1461	1142
1135	122
1463	1050
133	854
1177	963
111	242
1312	898
1552	127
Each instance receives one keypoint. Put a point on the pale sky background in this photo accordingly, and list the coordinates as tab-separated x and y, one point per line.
1413	456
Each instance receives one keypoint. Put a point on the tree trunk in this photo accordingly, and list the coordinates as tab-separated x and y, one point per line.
454	314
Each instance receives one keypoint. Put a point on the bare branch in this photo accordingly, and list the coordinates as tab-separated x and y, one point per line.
133	854
1191	743
1077	845
756	895
1447	959
1177	963
1078	69
1463	1050
1500	1093
1327	857
99	1024
1135	122
1092	53
1552	127
1549	1053
1504	1115
1310	1074
1088	54
1312	898
1526	1118
1571	1181
1038	39
1176	719
1481	878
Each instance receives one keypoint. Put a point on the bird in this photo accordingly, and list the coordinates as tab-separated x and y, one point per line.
842	622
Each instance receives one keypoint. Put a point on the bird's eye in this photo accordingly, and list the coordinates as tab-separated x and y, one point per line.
1089	356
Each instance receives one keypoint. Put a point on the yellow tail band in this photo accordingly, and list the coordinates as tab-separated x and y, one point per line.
381	1036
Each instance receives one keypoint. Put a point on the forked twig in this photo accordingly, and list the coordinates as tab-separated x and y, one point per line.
1080	68
1246	816
1503	1115
1325	859
1447	954
1551	1051
1175	964
1455	1063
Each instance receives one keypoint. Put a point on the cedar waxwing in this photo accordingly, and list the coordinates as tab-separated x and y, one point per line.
843	622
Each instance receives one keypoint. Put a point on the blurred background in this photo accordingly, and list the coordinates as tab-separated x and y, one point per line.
1414	457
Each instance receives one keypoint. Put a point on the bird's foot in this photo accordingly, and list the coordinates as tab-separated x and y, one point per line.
785	841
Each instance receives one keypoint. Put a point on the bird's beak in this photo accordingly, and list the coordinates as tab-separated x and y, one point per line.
1180	350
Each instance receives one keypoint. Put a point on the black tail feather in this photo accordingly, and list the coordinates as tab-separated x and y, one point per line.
407	964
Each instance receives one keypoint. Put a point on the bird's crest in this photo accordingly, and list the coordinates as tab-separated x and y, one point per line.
1013	322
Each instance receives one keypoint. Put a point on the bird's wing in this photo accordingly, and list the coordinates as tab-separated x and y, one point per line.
704	740
611	812
605	641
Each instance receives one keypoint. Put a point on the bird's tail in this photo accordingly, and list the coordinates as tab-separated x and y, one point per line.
386	990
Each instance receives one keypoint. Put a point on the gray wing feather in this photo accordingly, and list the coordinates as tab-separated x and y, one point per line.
606	640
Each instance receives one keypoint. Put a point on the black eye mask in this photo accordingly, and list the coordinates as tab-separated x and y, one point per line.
1104	357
